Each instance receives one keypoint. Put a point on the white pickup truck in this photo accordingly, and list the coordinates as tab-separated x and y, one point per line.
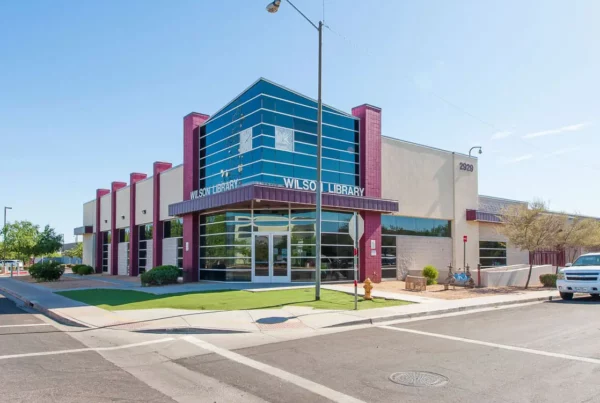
583	276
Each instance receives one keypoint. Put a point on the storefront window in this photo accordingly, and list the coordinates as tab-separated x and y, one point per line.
492	254
398	225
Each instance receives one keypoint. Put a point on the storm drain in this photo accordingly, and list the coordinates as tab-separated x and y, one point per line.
419	379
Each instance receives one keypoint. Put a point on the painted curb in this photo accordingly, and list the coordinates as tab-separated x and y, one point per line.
380	319
43	310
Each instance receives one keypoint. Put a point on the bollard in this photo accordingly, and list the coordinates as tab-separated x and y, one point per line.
368	287
479	275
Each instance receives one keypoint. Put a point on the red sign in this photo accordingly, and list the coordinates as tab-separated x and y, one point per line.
464	238
355	251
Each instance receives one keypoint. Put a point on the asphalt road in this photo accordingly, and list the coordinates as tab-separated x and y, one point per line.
548	352
73	377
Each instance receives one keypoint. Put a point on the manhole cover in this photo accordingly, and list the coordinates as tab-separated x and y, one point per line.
419	379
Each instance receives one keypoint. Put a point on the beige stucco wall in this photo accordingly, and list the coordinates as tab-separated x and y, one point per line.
466	196
105	209
144	195
428	183
415	252
171	190
489	232
89	214
431	195
123	202
89	250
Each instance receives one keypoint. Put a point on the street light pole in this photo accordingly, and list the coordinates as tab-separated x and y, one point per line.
473	148
4	242
273	7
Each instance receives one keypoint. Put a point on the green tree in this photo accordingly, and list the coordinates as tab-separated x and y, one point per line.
21	239
47	242
77	251
531	228
574	233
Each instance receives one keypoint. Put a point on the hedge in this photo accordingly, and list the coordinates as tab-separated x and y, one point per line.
46	271
548	280
82	269
431	274
161	275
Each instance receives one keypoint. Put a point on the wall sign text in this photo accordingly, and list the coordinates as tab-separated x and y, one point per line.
305	184
463	166
219	187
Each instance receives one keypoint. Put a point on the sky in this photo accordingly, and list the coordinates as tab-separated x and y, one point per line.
91	91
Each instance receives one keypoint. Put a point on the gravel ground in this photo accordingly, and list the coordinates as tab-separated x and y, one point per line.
437	291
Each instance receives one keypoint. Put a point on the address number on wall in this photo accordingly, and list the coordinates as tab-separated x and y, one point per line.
463	166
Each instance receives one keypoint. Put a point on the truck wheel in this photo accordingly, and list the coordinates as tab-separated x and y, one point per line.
567	296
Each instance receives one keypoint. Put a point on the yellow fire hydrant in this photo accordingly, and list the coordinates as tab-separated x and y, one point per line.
368	287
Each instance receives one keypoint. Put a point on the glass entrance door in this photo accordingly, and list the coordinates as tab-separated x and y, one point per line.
271	259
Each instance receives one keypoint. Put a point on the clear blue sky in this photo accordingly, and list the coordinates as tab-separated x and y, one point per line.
94	90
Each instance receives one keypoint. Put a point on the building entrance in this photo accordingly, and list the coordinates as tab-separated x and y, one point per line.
271	261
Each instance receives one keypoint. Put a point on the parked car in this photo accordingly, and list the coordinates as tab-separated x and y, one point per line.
583	276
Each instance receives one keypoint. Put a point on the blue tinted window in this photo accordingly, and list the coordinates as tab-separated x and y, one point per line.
397	225
248	94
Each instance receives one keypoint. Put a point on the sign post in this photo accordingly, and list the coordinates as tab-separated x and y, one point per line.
356	229
464	252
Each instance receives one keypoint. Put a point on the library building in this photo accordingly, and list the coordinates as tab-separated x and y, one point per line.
241	207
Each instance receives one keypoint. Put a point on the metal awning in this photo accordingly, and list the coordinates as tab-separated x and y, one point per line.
267	193
88	229
482	216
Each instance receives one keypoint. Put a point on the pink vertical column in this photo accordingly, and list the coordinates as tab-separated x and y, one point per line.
191	143
157	228
133	229
370	179
99	194
114	240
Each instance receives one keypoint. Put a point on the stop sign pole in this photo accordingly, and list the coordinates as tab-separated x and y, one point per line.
464	252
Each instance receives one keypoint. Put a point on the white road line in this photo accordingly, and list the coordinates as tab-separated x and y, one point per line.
495	345
27	325
311	386
81	350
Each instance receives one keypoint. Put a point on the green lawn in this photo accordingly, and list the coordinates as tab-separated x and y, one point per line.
115	300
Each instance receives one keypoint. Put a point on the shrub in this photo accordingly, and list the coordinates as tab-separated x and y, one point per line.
82	269
548	280
46	271
161	275
431	274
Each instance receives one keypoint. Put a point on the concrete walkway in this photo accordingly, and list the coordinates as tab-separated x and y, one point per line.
72	312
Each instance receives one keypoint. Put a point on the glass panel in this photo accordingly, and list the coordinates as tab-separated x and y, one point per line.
280	255
398	225
492	245
261	255
483	253
388	273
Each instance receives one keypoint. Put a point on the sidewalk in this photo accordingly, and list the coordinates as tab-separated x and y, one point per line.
72	312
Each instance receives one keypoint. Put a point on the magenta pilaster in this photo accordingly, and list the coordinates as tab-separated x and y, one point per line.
114	240
99	194
157	228
370	179
134	178
191	141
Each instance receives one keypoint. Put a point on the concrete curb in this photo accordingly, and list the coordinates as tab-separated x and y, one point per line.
43	310
381	319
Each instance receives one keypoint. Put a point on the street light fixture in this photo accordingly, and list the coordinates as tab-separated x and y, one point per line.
4	242
472	148
273	7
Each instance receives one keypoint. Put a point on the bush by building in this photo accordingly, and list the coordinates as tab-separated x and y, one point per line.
431	274
46	271
548	280
161	275
82	269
